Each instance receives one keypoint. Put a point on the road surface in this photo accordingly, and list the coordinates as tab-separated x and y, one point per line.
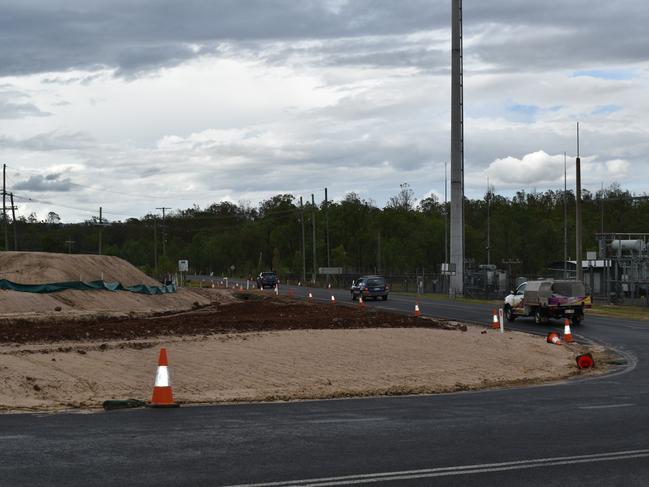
577	432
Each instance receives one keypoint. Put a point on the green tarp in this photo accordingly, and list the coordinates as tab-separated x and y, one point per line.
85	286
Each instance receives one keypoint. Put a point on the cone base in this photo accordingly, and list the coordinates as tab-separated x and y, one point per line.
159	406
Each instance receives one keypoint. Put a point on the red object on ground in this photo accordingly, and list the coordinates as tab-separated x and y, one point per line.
585	361
553	337
495	323
162	394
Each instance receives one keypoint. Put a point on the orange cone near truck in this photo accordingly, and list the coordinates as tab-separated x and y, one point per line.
162	394
567	334
553	337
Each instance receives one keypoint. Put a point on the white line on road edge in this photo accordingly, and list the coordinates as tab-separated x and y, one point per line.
607	406
458	470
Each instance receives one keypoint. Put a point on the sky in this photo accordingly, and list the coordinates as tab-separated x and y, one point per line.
133	105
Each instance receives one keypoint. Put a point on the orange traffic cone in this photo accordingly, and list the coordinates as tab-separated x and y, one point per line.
567	334
553	337
585	361
276	289
361	303
162	395
333	299
309	297
495	323
417	310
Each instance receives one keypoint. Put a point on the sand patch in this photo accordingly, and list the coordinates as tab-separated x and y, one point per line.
296	364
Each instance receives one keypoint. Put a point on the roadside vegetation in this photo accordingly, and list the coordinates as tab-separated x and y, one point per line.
410	233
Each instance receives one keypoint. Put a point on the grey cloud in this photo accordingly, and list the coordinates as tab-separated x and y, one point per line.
47	183
42	36
14	104
51	141
130	37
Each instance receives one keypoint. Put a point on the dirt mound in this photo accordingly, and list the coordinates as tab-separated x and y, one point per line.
218	319
75	305
44	267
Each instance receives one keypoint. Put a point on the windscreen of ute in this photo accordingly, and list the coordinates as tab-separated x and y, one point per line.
376	282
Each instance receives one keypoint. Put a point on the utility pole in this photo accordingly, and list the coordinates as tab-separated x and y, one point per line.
488	223
13	215
445	214
69	242
378	254
313	276
457	154
4	204
303	241
565	217
446	211
601	208
509	262
164	230
155	245
100	225
327	226
579	276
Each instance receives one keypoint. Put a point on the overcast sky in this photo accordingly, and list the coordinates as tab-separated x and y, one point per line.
138	104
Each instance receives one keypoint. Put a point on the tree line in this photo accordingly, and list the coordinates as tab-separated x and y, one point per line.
401	238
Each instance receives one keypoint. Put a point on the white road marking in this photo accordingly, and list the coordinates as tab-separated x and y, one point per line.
456	470
607	406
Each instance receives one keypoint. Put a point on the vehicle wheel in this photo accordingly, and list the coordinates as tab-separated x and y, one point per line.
385	298
577	318
509	313
538	317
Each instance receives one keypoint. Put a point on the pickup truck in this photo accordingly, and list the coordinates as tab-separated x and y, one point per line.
545	299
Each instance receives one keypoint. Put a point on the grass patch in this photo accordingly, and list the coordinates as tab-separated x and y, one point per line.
628	312
444	297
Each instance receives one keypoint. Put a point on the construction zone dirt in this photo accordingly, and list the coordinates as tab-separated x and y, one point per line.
43	268
248	316
256	348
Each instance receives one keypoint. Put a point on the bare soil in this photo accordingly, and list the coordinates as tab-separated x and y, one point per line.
75	349
244	315
265	348
46	267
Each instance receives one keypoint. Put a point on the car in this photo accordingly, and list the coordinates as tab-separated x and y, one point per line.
370	287
267	280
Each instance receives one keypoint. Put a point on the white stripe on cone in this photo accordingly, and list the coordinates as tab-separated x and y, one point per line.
162	376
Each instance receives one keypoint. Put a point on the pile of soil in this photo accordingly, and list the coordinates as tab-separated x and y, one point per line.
249	316
44	267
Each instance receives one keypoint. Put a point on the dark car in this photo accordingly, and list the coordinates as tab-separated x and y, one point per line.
266	279
370	287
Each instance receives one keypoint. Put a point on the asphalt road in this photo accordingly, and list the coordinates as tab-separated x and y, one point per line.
577	432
